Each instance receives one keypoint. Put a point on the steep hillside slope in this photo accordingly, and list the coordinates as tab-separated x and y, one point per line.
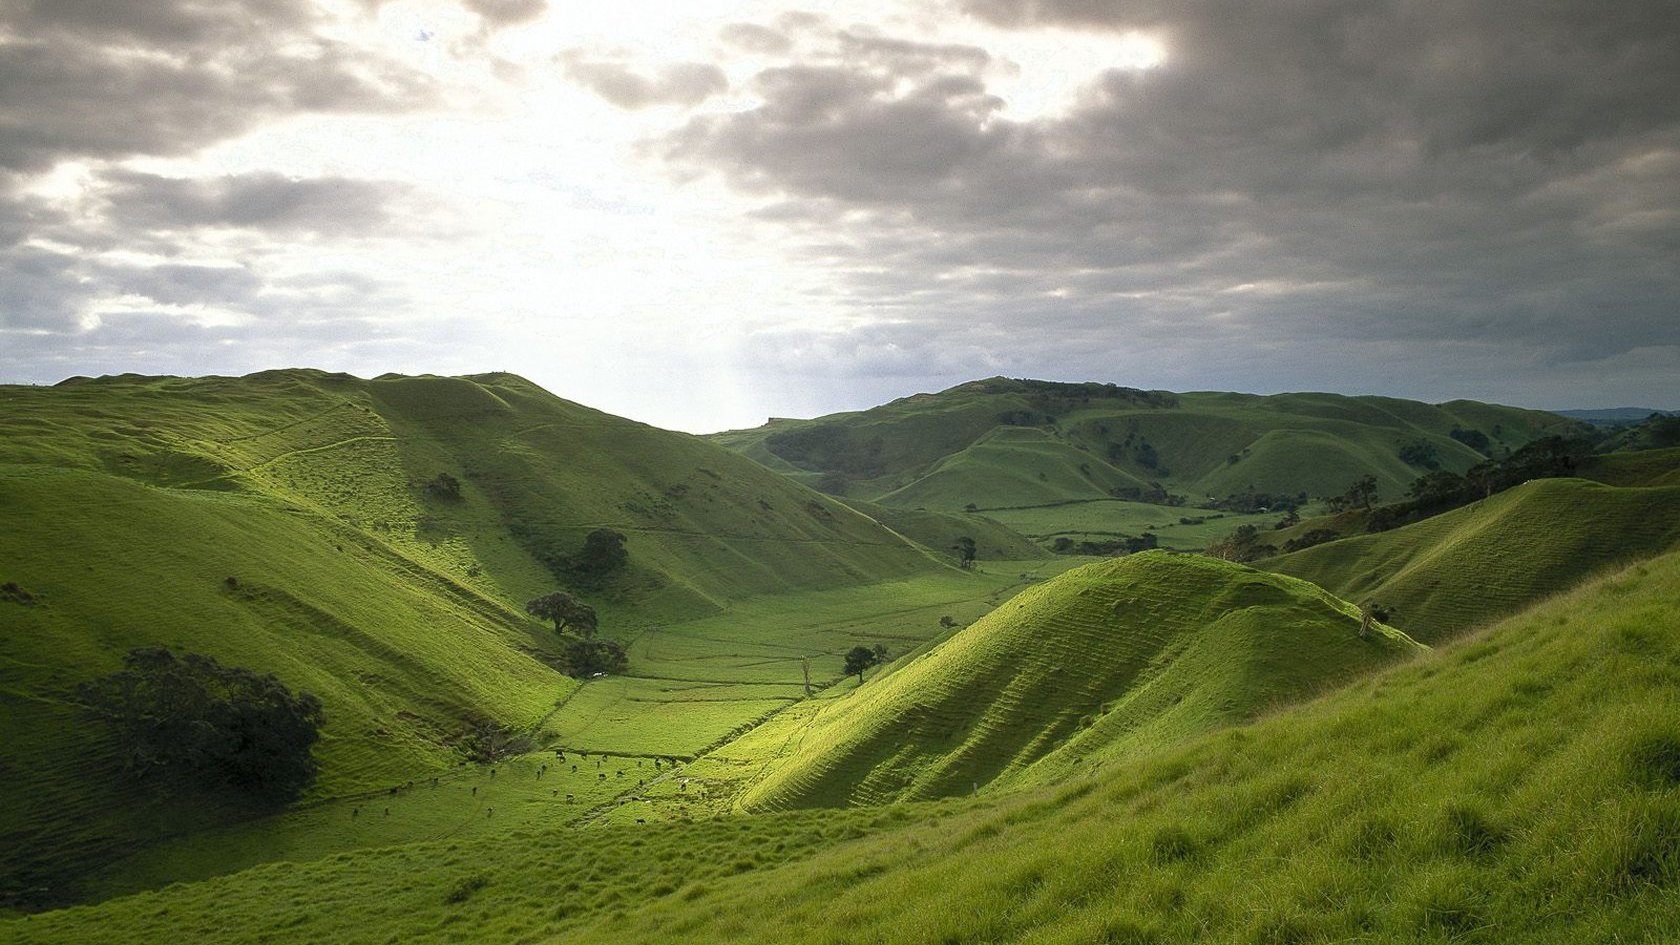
1446	574
1520	786
1006	443
1116	656
298	523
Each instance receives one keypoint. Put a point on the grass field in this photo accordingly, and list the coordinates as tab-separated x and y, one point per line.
1444	575
1114	657
1183	529
1519	785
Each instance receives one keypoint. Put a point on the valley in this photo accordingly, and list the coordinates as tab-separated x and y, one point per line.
1083	710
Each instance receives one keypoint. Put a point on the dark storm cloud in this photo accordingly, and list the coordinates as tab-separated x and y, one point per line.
684	83
1301	173
108	79
328	205
175	284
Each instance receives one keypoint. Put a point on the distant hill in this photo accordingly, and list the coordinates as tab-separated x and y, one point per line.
1450	573
1614	416
302	524
1007	444
1123	655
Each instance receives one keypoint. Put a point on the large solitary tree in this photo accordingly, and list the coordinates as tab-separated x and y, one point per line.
602	555
567	612
576	622
965	552
860	658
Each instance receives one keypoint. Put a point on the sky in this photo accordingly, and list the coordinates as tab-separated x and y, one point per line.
702	213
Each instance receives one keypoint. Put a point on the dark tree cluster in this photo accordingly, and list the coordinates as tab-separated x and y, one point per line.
218	726
1244	544
1316	536
1441	491
966	552
1138	449
1475	439
1253	500
444	486
1420	453
1155	493
1108	547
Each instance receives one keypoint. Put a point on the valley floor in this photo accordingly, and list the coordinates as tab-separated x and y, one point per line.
658	745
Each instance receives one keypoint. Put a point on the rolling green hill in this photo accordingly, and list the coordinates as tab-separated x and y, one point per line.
1002	443
285	522
1114	657
1522	785
1449	573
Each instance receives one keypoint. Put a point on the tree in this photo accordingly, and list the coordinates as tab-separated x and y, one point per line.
1361	494
567	612
221	726
860	658
602	554
965	552
590	657
1421	453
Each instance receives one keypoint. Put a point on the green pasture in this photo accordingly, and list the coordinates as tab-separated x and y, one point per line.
1184	529
1445	575
1142	651
1518	785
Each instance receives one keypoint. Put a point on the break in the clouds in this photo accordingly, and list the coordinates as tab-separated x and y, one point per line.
733	208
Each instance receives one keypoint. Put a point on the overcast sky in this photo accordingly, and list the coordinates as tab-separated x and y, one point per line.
700	213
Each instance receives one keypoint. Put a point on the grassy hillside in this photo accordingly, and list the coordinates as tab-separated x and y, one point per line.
283	522
938	532
1113	657
1659	467
1000	443
1446	574
1522	785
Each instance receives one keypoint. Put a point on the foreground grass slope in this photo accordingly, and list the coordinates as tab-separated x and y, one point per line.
1117	656
1002	443
286	522
1521	785
1449	573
